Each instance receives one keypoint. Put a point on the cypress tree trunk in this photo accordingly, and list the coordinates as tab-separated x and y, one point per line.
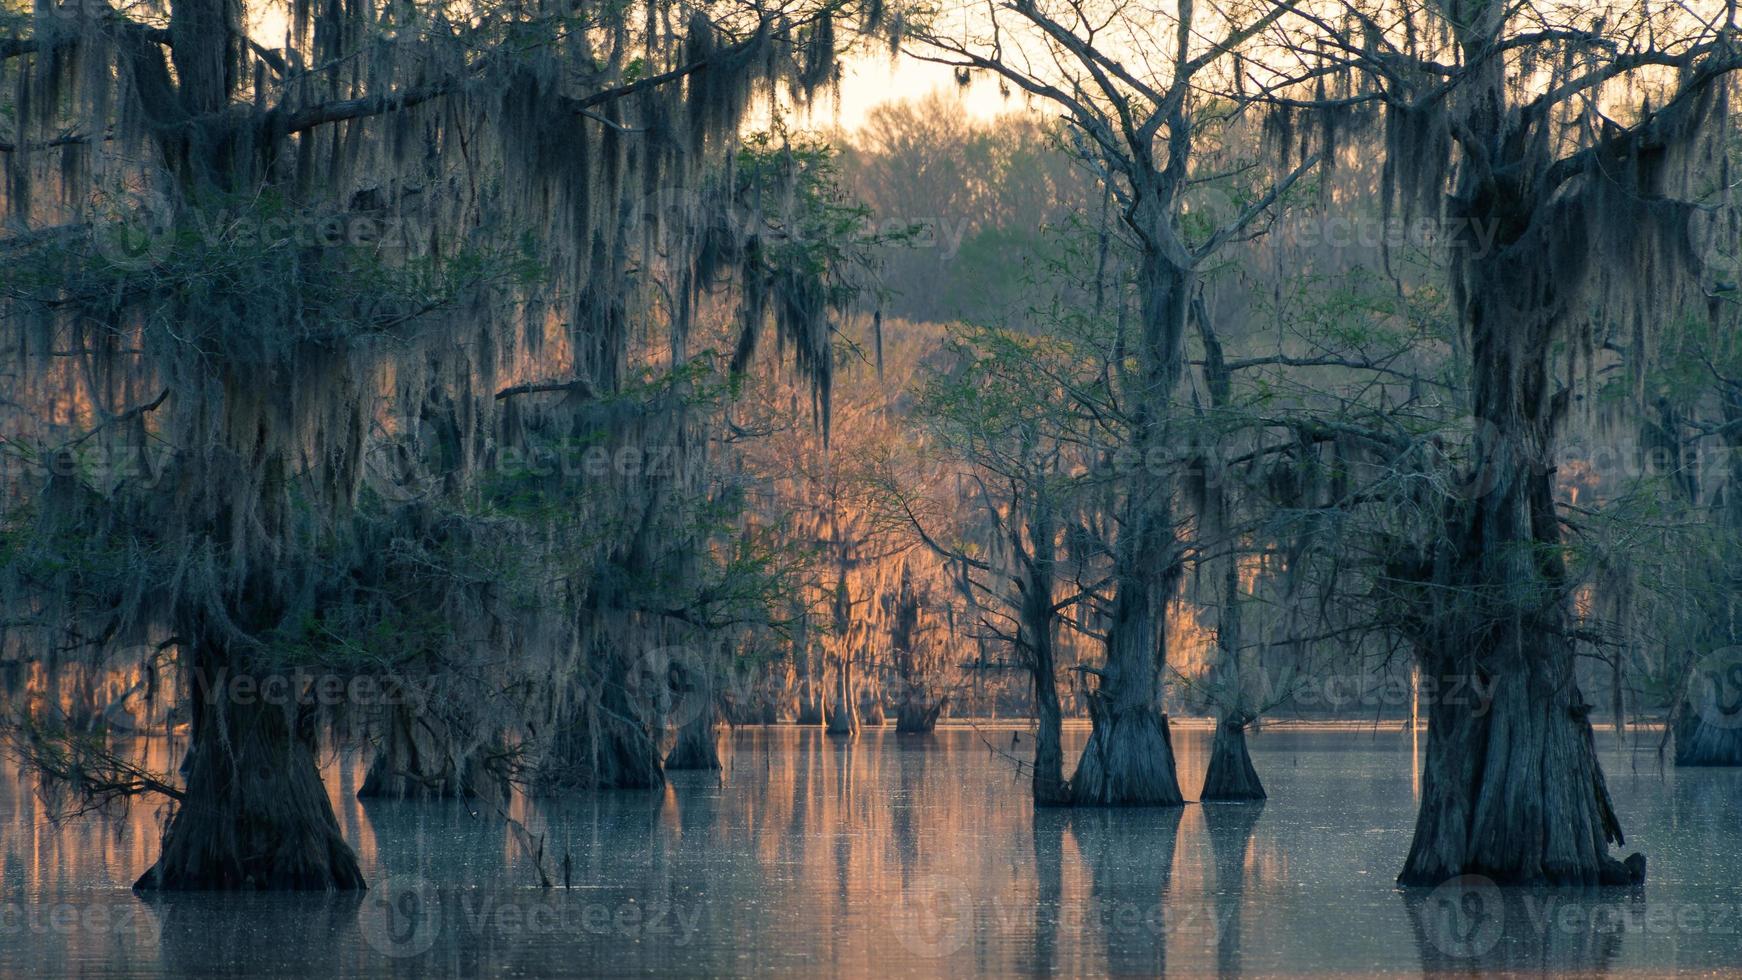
917	716
1230	777
606	741
1707	735
1515	793
843	713
1129	757
418	759
874	715
1708	726
254	814
697	745
1512	787
810	687
842	710
1559	235
916	707
810	701
698	738
1050	788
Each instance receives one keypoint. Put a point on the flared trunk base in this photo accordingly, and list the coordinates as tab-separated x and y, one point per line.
414	764
1513	791
1128	761
1231	777
601	749
1698	742
255	814
697	748
915	717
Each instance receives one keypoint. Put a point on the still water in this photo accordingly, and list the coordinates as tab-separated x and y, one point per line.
895	855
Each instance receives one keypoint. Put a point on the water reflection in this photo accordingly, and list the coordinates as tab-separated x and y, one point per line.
1129	854
275	934
1469	925
883	855
1229	827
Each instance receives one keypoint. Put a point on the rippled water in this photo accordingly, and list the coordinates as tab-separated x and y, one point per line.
895	855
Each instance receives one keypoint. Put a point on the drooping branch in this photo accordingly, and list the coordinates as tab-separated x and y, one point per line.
579	386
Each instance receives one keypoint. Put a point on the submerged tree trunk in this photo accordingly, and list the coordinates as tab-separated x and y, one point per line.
810	702
254	813
1037	633
843	712
1231	777
698	736
1709	735
873	715
1512	787
1562	235
1050	788
1708	726
697	745
916	706
810	684
1515	792
916	716
419	759
606	741
1129	757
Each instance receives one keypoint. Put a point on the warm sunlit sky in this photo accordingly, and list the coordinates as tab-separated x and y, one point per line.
874	79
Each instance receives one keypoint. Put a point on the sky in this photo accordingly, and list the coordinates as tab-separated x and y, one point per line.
871	80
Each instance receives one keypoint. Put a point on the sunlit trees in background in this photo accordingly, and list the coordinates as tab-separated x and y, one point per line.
1138	122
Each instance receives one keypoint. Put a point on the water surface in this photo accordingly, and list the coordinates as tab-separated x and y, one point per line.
895	855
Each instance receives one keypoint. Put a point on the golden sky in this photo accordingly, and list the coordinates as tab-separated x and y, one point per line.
872	80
